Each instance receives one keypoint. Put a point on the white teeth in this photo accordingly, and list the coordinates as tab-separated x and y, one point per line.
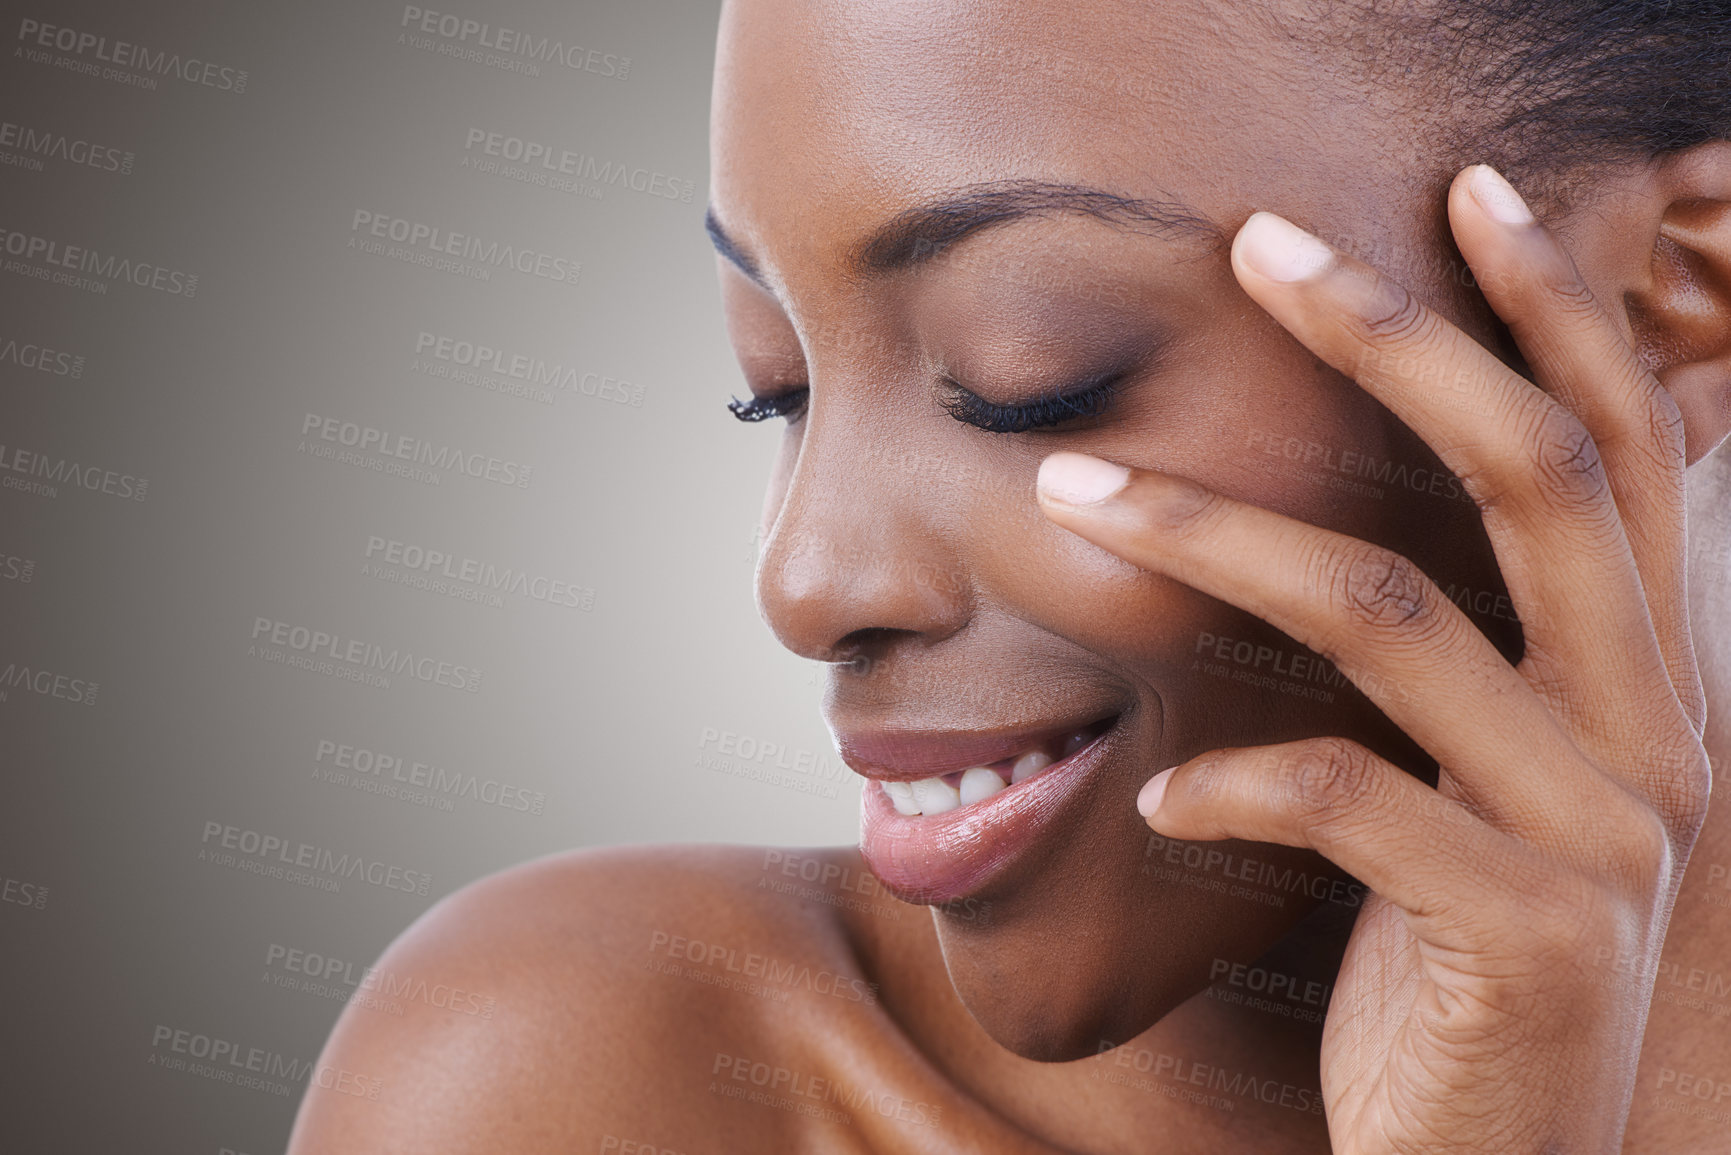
1029	764
979	783
935	796
902	794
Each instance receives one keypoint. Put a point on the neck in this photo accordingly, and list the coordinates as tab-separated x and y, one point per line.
1709	483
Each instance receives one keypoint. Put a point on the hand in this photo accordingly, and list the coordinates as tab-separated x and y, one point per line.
1495	987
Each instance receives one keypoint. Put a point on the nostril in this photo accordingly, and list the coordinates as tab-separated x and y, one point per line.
863	649
871	637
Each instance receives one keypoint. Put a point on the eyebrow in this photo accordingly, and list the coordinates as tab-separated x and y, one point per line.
920	234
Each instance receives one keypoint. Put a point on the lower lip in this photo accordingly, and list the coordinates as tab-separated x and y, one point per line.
943	857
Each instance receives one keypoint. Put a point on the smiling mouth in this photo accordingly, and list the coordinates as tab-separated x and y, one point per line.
941	793
949	814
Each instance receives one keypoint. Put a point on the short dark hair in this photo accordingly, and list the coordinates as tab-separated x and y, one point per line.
1639	76
1548	86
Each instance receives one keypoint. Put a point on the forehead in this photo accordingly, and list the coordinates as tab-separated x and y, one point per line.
831	115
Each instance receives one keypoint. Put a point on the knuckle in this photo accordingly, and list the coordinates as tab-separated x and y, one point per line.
1381	589
1569	299
1183	507
1205	780
1664	421
1681	787
1393	315
1331	777
1567	467
1642	858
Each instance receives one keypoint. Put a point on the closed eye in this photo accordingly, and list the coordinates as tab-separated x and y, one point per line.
789	404
1058	408
1061	407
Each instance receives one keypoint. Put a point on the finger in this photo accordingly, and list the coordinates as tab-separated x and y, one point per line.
1530	465
1579	354
1455	876
1371	612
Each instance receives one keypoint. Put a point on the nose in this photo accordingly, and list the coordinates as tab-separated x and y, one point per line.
856	558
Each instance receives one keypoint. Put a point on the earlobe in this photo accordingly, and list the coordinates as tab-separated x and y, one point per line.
1682	315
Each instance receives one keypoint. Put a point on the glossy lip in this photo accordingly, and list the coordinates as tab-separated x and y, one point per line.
940	858
909	755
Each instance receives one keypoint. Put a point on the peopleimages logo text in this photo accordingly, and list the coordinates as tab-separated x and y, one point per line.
48	471
511	42
40	358
258	844
402	447
471	571
465	246
355	652
564	162
47	683
105	267
90	46
535	371
58	146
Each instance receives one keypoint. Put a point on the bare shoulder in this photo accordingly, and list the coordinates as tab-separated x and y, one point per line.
558	1004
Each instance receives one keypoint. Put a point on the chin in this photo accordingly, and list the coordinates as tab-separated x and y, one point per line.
1058	973
1036	1025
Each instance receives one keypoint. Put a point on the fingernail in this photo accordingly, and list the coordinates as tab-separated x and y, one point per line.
1498	197
1148	801
1077	479
1280	250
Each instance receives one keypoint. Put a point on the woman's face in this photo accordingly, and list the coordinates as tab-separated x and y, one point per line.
1017	199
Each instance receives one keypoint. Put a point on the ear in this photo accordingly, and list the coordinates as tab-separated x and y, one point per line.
1680	311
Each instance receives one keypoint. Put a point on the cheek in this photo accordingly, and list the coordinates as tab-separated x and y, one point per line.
1326	464
1294	436
1095	600
1285	433
780	476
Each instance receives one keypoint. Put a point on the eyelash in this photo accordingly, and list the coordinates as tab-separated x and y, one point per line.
1090	400
789	405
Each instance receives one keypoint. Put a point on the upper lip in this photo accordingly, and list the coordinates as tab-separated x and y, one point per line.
905	755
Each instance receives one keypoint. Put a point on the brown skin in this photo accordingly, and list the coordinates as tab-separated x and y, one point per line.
831	120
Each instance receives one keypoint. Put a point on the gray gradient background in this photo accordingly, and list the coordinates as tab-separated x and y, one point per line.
618	714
